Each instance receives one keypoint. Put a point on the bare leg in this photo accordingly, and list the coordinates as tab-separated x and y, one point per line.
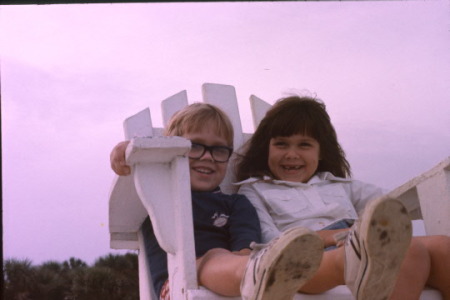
438	247
369	261
329	275
413	273
415	269
221	271
426	262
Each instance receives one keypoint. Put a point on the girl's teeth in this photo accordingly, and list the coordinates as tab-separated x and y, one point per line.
292	168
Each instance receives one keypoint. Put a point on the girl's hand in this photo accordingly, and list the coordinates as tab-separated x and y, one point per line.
340	237
117	158
328	237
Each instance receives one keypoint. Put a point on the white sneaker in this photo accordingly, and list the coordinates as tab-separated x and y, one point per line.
278	270
375	248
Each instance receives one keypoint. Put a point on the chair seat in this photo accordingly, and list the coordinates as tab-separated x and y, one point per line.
338	293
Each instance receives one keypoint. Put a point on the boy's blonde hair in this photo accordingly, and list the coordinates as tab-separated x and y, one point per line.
196	116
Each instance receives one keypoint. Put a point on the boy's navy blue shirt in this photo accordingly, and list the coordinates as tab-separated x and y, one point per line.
220	221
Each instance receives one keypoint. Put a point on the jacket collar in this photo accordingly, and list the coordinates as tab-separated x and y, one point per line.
318	178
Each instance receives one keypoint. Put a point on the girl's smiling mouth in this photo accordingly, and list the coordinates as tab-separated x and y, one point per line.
291	167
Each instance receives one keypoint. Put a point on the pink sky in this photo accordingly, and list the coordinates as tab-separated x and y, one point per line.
71	73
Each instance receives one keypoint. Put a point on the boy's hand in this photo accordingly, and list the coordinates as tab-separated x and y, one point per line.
245	251
117	158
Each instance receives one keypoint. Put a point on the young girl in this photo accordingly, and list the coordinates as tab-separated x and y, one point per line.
295	174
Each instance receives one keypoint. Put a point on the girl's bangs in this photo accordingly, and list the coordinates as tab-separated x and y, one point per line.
293	124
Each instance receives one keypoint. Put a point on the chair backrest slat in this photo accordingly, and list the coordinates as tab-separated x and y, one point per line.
171	105
139	124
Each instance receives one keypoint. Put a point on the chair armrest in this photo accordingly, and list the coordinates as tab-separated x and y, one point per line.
161	176
126	209
156	149
427	197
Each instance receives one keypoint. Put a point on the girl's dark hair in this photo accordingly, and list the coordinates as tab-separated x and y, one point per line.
289	116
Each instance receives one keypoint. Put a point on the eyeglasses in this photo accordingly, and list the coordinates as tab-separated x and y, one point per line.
219	154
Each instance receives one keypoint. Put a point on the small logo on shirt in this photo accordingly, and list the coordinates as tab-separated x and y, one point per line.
220	219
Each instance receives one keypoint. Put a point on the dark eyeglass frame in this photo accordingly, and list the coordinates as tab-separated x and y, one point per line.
211	149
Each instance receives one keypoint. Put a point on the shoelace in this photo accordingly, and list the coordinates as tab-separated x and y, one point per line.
257	246
340	237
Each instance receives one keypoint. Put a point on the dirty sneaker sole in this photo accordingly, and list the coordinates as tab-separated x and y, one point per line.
295	262
387	229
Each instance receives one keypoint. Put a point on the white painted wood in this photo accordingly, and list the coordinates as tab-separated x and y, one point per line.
126	214
338	293
418	228
152	159
427	196
145	279
139	124
259	108
161	175
431	294
224	97
123	227
182	264
159	186
173	104
434	196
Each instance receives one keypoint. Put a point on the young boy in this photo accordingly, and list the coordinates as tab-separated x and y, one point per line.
225	226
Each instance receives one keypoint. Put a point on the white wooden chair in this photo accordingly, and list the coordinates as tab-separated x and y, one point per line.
159	187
